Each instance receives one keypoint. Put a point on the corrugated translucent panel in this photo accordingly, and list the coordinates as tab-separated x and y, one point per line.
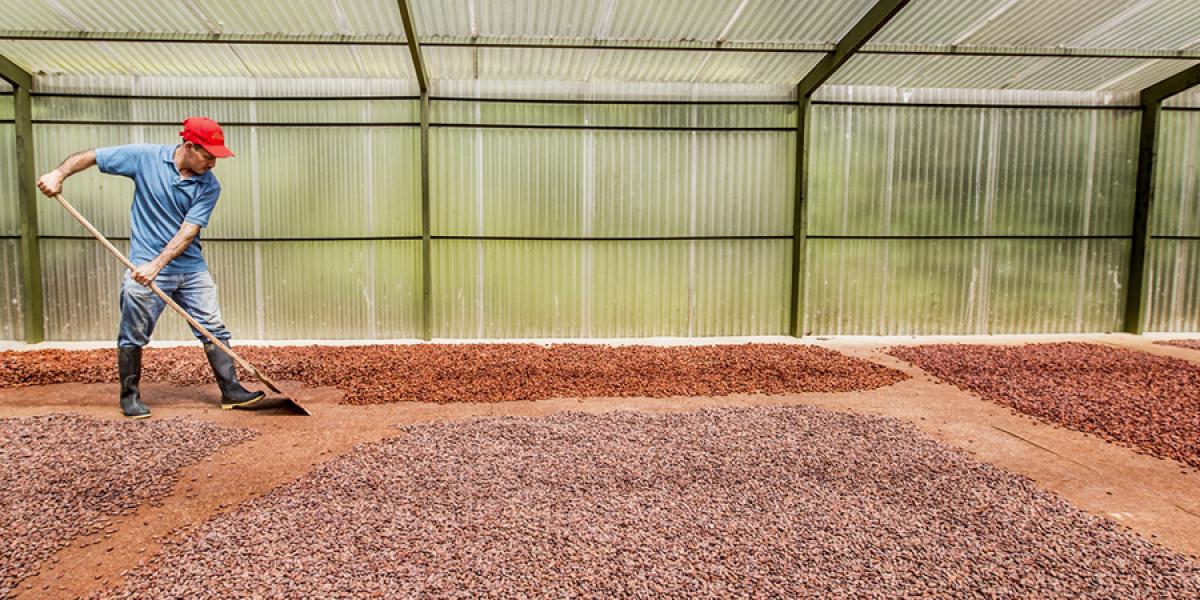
123	58
363	182
969	97
803	20
10	220
1177	192
268	290
1167	24
1005	72
103	199
509	182
614	115
340	17
940	22
931	287
610	183
642	184
100	15
12	318
499	289
60	108
321	181
964	171
675	20
6	101
81	284
341	290
740	287
636	20
207	60
610	90
1174	296
326	61
617	65
1184	100
744	183
242	86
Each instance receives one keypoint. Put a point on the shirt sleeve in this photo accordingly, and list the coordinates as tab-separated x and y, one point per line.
205	203
122	160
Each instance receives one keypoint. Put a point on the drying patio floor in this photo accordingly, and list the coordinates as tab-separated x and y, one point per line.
1158	499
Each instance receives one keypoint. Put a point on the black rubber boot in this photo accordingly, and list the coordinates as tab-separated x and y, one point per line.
232	392
129	365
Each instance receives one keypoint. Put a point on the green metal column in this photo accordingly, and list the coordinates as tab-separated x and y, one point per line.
27	198
1152	98
1143	208
859	33
426	244
27	195
800	216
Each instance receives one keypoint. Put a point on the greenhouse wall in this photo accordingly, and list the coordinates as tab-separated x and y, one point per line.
315	237
969	220
1174	253
616	221
573	219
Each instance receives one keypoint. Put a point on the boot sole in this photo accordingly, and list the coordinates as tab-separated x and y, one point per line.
137	417
240	404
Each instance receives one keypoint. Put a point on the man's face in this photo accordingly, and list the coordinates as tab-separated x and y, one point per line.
198	159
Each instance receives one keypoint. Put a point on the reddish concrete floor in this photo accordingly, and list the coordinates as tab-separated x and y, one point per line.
1156	498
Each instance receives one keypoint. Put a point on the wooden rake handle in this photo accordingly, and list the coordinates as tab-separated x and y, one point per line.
183	313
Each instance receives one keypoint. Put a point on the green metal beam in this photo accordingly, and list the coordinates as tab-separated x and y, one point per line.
1175	84
18	77
1143	209
426	241
414	47
867	26
27	198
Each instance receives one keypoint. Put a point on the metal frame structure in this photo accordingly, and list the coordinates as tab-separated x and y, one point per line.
31	259
1143	211
418	63
867	26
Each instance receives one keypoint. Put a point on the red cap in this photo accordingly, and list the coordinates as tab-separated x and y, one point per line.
206	132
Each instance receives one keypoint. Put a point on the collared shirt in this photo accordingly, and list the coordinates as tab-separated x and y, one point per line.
162	202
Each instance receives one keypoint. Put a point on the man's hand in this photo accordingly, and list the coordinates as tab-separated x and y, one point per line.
146	273
51	183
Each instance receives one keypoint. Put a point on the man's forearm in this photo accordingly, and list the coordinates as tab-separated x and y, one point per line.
177	245
77	162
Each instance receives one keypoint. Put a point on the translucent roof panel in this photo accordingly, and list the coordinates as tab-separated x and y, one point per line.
1132	24
797	20
541	64
207	60
663	21
100	15
1005	72
316	17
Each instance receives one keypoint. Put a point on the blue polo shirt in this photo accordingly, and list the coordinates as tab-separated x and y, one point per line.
162	202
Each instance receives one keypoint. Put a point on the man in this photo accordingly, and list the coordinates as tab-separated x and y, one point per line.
174	194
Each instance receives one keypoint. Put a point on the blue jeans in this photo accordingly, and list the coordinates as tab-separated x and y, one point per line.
140	307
